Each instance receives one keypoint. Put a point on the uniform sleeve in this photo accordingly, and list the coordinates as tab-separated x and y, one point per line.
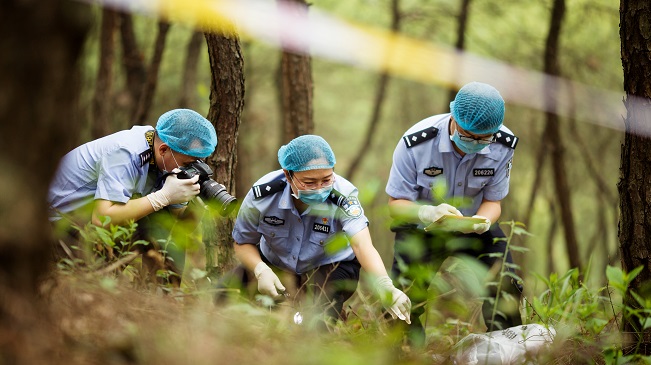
352	219
116	176
402	177
247	222
498	188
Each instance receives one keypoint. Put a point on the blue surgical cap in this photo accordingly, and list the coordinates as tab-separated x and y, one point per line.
306	152
187	132
478	108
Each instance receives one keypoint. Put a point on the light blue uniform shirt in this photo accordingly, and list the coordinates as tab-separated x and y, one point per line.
298	242
434	162
111	168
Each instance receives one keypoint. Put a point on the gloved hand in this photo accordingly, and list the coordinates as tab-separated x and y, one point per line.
432	213
268	282
393	299
174	191
478	228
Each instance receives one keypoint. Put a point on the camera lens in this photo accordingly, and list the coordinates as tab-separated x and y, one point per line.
211	191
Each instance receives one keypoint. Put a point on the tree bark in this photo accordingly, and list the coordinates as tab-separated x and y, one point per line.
102	100
133	62
634	188
553	135
226	104
380	94
460	44
296	88
39	88
189	81
149	88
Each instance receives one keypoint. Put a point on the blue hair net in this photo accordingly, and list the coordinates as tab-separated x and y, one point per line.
306	152
187	132
478	108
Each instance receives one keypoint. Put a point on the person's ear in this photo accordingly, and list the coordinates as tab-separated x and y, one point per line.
286	174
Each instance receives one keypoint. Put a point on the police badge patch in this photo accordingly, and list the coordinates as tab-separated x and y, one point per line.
433	171
349	204
274	221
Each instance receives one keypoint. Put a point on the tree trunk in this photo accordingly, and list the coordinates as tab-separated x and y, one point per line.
189	81
39	88
296	89
226	104
133	63
380	93
461	37
634	188
149	88
102	100
553	135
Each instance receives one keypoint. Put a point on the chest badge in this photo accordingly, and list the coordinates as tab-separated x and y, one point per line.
433	171
483	172
274	221
323	228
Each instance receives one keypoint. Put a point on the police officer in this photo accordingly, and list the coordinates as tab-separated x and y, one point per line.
125	176
294	219
466	154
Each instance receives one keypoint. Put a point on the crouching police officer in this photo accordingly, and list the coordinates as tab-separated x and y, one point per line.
294	220
466	153
129	175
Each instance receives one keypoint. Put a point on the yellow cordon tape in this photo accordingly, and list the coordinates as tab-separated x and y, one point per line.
313	32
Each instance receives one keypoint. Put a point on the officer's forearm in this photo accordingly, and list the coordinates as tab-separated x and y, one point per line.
402	209
121	213
490	209
248	255
369	258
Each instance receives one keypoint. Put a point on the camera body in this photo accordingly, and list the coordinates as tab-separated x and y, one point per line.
210	190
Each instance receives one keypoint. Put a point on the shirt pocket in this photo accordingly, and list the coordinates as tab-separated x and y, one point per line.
275	236
476	185
427	183
330	243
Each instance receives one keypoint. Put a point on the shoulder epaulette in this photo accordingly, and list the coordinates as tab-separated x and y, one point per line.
506	139
272	187
416	138
349	204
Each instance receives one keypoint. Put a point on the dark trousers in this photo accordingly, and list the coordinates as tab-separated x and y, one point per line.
328	285
417	251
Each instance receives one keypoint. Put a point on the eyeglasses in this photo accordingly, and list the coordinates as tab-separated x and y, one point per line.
329	181
486	140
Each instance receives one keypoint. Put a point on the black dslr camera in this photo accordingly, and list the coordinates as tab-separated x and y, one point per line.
211	190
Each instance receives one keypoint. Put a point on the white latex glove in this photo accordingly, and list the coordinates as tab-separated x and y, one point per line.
268	282
174	191
482	227
394	300
432	213
478	228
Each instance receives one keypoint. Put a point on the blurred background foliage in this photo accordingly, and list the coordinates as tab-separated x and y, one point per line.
513	32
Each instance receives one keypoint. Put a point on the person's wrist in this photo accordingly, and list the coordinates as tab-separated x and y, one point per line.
423	213
260	268
158	200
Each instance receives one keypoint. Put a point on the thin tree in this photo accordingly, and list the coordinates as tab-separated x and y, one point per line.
133	62
102	100
189	80
149	87
39	87
226	104
553	135
296	87
460	44
635	175
380	93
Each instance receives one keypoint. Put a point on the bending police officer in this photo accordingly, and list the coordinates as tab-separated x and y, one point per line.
469	153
